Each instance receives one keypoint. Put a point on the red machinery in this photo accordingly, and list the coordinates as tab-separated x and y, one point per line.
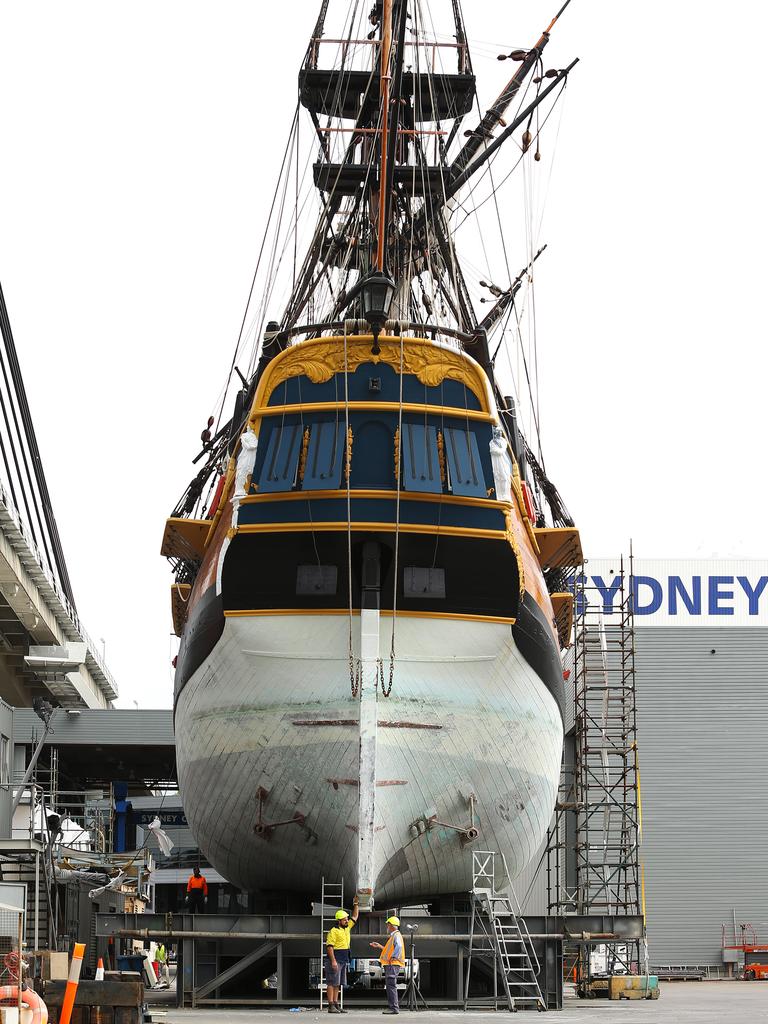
755	954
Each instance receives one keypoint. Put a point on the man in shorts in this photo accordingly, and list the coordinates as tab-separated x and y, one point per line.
337	947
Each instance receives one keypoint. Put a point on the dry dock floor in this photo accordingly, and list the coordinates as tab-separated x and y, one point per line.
704	1002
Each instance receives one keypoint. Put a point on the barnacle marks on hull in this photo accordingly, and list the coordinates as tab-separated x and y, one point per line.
270	711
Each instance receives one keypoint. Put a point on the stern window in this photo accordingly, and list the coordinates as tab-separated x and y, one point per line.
282	459
465	471
420	462
325	456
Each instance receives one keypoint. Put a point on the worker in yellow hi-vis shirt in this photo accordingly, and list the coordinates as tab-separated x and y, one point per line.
337	947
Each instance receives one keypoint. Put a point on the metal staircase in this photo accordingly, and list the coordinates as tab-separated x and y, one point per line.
499	933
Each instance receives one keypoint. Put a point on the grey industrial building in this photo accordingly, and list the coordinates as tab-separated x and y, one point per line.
701	664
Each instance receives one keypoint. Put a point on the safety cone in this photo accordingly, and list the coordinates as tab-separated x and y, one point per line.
100	970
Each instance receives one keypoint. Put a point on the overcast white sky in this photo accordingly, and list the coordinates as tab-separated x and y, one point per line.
139	144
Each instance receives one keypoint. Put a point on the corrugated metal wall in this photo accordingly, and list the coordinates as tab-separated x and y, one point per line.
151	727
703	744
6	767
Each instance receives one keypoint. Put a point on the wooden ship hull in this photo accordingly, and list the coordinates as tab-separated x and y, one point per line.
271	712
370	695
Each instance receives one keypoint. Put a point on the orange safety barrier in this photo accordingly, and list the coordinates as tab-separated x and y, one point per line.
10	994
75	966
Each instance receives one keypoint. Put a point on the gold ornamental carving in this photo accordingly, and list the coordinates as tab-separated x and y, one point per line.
348	465
431	364
441	456
304	453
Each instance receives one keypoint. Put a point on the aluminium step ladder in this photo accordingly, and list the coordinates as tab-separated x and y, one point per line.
331	900
499	932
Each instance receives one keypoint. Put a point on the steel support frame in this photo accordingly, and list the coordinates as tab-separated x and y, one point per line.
593	853
440	937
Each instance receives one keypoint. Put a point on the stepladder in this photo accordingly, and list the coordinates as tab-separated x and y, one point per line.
498	933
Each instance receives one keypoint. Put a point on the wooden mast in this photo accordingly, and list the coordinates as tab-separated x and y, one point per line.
385	78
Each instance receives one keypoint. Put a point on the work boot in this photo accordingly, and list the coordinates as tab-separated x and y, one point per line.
341	1009
333	1008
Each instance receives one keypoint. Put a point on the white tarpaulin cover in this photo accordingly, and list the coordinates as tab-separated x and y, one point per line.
116	882
164	840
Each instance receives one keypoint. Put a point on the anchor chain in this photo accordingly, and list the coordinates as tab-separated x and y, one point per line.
355	673
385	690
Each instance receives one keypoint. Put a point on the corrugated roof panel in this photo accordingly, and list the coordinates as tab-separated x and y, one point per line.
116	726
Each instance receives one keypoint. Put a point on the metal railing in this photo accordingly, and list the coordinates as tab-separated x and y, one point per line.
93	825
709	971
431	45
93	652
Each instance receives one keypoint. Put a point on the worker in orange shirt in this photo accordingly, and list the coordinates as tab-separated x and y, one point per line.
197	892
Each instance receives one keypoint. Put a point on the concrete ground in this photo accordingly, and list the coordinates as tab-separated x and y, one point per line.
705	1002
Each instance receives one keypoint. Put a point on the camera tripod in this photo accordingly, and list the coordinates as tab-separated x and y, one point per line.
412	995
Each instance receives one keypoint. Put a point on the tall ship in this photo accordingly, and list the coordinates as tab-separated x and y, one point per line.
371	563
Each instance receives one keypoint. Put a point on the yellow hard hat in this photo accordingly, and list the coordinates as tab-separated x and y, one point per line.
394	921
341	914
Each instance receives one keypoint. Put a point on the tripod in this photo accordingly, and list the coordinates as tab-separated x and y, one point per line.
412	995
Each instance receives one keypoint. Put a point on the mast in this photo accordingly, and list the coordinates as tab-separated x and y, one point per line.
384	78
460	179
374	166
495	114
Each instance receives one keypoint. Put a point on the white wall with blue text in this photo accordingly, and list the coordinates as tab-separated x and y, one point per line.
686	592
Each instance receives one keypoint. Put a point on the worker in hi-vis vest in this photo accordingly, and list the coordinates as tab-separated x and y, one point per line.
197	892
392	959
161	956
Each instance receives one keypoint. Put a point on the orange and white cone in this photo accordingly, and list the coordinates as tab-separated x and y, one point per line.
75	966
100	970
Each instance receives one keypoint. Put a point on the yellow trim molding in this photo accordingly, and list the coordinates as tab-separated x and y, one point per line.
253	612
449	499
417	407
331	527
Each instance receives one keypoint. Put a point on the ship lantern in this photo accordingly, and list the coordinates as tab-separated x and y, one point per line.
376	293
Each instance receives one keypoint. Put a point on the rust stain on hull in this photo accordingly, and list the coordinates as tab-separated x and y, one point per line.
350	721
355	782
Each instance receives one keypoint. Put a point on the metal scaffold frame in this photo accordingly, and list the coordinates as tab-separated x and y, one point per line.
593	855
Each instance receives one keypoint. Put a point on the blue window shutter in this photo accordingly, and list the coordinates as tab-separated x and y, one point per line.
281	461
421	466
325	457
465	470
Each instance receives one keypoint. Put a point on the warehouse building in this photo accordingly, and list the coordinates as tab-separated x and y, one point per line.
701	663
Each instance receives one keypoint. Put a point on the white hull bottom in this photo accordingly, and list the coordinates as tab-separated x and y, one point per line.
272	708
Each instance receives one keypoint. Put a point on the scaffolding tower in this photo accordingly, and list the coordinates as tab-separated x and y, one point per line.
593	855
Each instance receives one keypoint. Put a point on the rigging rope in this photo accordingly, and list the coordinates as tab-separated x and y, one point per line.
386	691
355	673
287	150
